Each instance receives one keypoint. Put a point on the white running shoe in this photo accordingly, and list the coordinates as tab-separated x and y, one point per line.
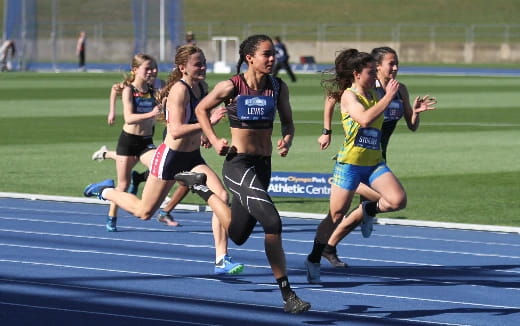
99	155
367	223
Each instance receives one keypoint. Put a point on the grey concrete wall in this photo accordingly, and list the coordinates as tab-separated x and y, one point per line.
323	52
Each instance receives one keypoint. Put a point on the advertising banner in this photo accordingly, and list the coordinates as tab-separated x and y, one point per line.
300	184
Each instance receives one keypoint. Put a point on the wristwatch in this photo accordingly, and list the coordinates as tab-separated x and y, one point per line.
326	131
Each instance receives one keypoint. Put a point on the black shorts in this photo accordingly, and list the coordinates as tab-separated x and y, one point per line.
166	162
134	145
247	177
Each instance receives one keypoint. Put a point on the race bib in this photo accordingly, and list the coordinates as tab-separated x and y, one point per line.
255	108
369	138
394	111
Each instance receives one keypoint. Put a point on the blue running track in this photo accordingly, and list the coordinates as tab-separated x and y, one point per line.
59	266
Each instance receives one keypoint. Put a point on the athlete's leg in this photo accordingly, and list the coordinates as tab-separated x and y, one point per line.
124	165
219	233
367	193
154	192
393	195
178	195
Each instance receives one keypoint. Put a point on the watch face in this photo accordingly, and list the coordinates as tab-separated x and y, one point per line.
325	131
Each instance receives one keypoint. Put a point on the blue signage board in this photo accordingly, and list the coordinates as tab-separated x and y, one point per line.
300	184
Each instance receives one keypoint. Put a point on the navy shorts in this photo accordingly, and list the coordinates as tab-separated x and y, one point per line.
167	162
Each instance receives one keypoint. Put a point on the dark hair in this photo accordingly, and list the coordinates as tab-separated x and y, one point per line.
249	46
379	53
347	62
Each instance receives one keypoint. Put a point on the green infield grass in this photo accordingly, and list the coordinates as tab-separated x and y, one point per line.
462	165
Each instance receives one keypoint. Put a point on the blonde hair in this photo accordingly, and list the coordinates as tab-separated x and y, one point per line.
181	58
137	61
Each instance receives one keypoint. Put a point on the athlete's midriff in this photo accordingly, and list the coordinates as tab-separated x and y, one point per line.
252	141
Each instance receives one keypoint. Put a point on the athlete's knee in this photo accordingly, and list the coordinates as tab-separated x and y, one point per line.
223	194
393	203
144	215
238	239
272	227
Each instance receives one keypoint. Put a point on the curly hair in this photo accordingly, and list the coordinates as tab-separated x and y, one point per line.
347	62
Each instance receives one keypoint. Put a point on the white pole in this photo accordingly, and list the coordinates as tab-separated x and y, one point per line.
53	35
161	33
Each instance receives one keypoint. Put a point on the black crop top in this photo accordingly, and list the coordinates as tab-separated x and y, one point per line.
253	109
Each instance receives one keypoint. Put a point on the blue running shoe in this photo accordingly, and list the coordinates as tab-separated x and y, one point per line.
95	189
313	272
134	183
227	266
367	222
111	224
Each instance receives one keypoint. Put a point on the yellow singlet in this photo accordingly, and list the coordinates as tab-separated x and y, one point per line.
362	146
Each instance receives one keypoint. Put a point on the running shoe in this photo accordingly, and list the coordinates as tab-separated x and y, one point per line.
95	189
134	182
367	223
330	253
111	224
189	179
166	218
295	305
99	155
227	266
313	272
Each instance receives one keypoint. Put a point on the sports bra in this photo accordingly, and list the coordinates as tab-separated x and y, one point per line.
191	118
143	102
253	109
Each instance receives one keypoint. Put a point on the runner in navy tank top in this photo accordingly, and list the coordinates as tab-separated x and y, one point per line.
180	151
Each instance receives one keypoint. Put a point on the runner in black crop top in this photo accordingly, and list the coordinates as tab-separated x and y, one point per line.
253	109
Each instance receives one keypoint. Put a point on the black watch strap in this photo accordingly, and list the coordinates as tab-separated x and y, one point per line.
326	131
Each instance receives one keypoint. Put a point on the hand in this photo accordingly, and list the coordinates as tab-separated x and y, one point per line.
217	114
392	87
204	141
283	147
111	119
221	146
156	111
324	141
425	103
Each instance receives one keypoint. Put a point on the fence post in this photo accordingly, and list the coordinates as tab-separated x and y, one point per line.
469	45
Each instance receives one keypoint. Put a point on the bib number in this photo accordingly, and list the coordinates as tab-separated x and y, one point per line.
369	138
252	108
394	111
